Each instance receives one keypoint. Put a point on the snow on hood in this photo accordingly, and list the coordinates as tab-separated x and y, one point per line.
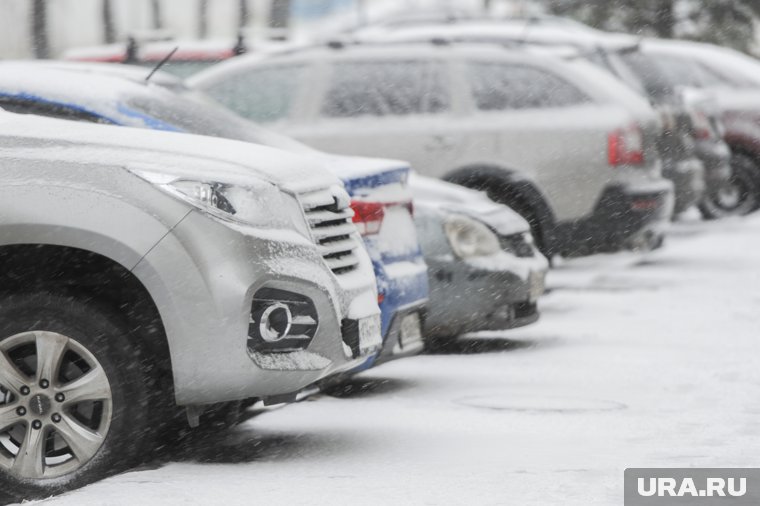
180	155
457	199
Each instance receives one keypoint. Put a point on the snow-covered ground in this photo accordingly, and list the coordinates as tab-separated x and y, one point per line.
639	361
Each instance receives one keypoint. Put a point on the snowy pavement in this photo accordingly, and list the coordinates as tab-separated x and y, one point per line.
639	361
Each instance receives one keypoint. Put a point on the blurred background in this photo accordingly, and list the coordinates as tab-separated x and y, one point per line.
47	28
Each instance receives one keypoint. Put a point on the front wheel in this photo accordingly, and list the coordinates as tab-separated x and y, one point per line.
737	197
73	395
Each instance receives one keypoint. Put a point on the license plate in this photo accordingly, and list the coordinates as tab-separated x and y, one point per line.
370	337
411	330
537	286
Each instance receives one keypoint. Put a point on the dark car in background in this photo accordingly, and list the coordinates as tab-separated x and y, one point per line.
733	80
484	269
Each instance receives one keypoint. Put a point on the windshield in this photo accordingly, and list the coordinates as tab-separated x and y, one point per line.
194	112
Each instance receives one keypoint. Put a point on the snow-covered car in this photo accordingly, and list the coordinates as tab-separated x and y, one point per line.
381	200
146	271
485	272
696	171
563	143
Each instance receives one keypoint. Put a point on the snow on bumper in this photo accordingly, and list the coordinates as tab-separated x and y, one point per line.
206	302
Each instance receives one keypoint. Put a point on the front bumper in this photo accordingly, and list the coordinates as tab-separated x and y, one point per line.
497	293
688	177
203	277
625	217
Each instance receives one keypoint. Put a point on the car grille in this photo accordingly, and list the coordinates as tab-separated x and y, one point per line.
329	216
516	244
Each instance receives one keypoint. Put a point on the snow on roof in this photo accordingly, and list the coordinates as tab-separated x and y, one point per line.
97	93
134	73
499	30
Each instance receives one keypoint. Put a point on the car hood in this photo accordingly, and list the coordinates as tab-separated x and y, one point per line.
453	198
179	155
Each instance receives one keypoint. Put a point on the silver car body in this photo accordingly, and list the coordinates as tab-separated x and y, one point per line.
560	150
492	291
74	185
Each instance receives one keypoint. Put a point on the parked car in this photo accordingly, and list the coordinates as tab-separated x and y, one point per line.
197	258
699	166
733	79
563	143
485	272
698	128
381	200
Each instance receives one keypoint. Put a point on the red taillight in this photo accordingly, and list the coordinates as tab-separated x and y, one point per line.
626	146
368	216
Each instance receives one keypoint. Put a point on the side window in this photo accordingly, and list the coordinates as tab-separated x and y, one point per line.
503	86
50	110
386	88
263	95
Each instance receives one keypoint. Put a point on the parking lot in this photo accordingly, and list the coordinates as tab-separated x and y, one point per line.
637	361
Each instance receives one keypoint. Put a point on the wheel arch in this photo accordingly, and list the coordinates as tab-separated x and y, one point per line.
96	277
515	189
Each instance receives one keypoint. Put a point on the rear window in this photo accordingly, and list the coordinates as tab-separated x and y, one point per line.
396	88
263	95
504	86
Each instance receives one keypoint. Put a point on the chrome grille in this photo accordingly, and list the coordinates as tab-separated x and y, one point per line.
329	216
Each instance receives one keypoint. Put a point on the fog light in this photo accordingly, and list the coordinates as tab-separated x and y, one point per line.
281	321
275	322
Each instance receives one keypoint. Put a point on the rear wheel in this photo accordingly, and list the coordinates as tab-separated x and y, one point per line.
73	396
739	196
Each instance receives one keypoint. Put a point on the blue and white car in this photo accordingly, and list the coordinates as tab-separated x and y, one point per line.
381	199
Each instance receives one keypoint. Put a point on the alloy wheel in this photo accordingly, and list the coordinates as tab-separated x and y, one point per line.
55	405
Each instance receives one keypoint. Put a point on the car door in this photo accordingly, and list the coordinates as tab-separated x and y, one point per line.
389	108
543	126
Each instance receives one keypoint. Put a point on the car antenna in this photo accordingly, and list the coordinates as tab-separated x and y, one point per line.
161	63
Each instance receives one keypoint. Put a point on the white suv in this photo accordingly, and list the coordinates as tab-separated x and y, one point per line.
562	142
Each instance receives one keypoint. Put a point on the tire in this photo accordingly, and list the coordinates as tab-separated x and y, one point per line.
739	197
92	438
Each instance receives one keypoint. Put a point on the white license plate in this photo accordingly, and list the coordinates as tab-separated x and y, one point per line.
537	286
411	330
370	337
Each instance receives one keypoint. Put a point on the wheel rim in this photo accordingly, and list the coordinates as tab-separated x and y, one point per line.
735	198
729	196
55	405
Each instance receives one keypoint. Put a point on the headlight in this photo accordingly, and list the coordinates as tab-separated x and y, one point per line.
470	238
256	203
